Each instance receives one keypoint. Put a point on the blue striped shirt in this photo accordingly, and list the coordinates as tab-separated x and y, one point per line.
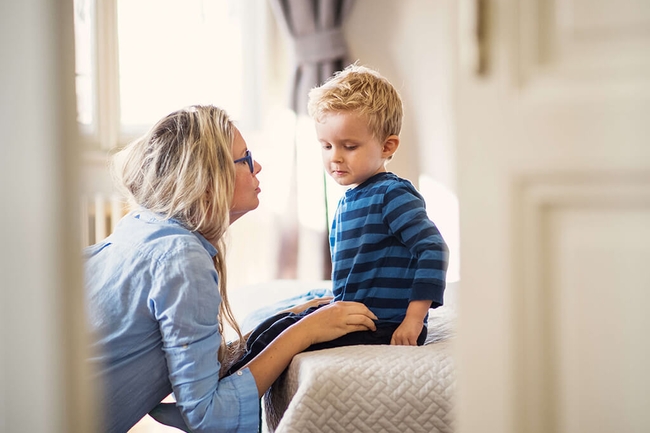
386	252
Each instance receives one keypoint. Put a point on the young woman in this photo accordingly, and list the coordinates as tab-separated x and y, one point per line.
156	288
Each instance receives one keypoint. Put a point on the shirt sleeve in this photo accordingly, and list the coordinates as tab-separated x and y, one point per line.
405	214
186	306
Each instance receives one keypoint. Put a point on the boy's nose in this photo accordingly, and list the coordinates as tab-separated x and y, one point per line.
336	155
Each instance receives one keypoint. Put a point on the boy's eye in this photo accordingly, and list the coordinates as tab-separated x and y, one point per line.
350	147
327	146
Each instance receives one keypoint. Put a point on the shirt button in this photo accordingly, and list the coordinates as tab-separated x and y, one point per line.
239	373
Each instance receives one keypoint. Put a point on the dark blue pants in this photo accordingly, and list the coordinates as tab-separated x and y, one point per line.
268	330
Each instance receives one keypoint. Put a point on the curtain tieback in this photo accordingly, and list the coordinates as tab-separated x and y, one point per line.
320	46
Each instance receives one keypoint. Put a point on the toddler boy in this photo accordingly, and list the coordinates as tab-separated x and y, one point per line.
386	252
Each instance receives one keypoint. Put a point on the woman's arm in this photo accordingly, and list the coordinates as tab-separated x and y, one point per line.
325	324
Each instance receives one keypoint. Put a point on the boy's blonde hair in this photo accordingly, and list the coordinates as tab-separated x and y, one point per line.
183	169
363	91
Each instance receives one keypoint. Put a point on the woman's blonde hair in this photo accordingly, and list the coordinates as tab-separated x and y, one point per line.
183	169
363	91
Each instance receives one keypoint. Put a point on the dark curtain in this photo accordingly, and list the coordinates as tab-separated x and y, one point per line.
314	29
315	34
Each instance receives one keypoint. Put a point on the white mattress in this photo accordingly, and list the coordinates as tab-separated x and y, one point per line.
374	389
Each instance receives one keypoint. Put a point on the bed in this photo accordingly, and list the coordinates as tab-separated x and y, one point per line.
365	388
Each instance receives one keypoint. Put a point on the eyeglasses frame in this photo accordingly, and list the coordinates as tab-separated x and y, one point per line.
249	160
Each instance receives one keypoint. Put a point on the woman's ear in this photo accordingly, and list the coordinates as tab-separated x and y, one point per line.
390	146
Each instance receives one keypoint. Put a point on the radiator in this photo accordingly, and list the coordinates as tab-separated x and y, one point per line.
100	214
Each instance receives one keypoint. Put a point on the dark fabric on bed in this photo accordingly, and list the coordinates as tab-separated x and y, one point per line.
255	318
269	329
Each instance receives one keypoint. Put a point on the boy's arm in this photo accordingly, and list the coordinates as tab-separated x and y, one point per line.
406	216
408	331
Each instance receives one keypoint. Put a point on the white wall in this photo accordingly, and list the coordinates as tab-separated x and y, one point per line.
40	322
409	42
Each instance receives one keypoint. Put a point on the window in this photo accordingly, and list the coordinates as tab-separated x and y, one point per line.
137	60
84	39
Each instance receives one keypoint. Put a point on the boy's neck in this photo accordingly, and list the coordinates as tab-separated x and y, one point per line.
379	173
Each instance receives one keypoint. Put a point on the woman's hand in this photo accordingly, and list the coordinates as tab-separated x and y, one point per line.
325	324
336	320
311	303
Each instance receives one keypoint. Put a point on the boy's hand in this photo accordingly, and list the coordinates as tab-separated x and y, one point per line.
407	333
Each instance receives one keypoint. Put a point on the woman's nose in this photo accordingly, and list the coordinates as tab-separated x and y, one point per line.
257	166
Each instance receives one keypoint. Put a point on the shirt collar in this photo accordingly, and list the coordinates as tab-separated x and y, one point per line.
148	216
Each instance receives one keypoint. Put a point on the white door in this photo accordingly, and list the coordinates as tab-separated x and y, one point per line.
553	133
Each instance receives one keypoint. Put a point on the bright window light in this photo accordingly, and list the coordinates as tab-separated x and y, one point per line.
174	53
83	29
442	208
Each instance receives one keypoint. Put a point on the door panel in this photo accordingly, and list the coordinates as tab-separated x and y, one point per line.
567	47
600	357
554	192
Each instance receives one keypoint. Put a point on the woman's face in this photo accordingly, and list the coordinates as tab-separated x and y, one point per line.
247	187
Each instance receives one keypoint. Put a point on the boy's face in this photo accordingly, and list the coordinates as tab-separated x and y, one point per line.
351	153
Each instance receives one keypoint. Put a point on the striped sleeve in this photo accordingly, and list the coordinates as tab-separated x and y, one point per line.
405	214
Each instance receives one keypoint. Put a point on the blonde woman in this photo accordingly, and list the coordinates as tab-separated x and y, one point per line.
156	288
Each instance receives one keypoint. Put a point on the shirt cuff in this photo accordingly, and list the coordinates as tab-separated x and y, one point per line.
432	292
249	400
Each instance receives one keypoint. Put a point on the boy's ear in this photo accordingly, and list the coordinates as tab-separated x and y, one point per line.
390	146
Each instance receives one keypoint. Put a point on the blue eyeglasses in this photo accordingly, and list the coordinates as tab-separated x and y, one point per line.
249	160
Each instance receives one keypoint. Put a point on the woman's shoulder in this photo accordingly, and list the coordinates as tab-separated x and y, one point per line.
158	237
